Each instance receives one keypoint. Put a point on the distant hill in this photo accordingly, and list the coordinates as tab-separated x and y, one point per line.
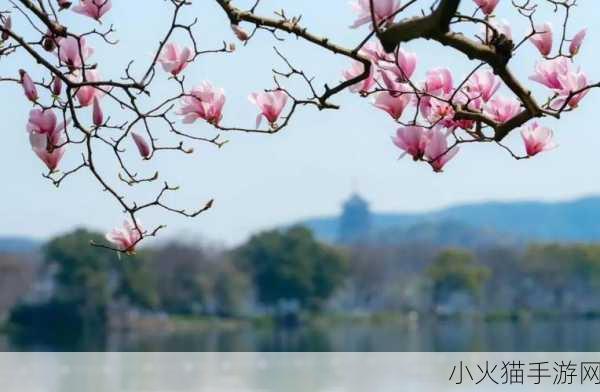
18	245
505	222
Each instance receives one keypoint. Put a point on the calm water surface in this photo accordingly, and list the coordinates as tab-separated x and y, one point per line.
444	336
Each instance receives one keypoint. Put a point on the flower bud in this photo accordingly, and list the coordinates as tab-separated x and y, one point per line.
28	86
7	26
97	114
49	43
56	86
240	32
64	4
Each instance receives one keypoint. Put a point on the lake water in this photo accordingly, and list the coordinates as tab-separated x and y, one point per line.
441	336
276	372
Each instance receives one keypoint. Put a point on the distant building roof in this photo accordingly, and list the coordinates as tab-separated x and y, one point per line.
356	200
355	221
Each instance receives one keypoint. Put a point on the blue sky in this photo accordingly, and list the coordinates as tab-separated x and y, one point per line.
261	181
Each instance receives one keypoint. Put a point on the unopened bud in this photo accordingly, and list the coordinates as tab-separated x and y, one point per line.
240	32
49	43
7	26
64	4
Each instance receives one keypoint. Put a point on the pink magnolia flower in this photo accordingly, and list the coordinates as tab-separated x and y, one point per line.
56	86
271	105
42	121
383	11
141	144
571	83
482	84
28	86
564	78
439	80
205	102
393	104
95	9
86	94
45	147
487	6
437	150
464	101
542	38
412	140
46	137
537	139
126	237
502	109
239	32
501	26
357	69
174	59
577	41
97	114
399	70
375	52
74	52
547	72
436	110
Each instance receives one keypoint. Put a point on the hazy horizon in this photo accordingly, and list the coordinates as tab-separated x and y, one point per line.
191	236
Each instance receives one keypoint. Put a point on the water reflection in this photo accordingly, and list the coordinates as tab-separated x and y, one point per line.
442	336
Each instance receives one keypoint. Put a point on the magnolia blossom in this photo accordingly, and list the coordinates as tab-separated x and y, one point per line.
437	150
45	147
74	52
487	6
42	121
439	80
383	11
86	94
412	140
564	78
399	70
482	84
465	101
547	72
271	105
571	83
575	45
356	70
502	109
174	59
537	139
393	104
126	237
46	137
375	52
542	38
205	102
95	9
141	144
437	110
501	26
28	86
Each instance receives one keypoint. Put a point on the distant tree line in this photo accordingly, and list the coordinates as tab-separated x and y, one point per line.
83	290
